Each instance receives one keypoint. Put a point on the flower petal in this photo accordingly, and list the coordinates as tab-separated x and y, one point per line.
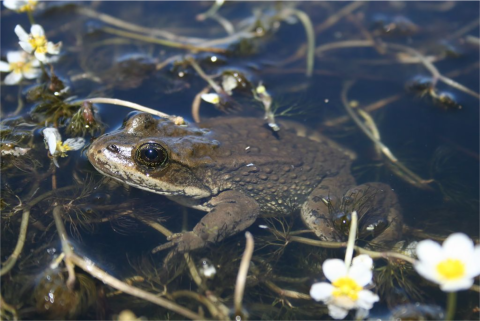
74	143
12	4
321	291
212	98
361	274
21	33
363	259
52	136
5	67
31	73
26	46
456	285
53	49
37	31
428	271
459	246
13	78
336	312
428	250
34	61
334	269
366	299
16	56
473	265
41	56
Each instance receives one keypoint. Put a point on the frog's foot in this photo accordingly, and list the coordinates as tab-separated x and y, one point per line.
322	203
328	212
232	212
184	242
380	220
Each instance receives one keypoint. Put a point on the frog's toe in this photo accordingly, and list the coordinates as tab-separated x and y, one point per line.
185	242
182	242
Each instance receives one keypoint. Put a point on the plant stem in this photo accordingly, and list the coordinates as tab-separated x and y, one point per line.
163	42
307	24
30	17
451	305
351	240
242	275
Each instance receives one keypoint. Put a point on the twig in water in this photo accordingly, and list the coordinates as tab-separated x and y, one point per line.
196	103
403	172
436	75
67	250
124	103
333	19
12	259
286	293
163	42
7	307
136	28
103	276
242	274
307	24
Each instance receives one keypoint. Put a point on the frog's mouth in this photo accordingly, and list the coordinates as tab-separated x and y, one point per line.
115	161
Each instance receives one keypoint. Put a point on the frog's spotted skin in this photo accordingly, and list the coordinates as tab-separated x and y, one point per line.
234	168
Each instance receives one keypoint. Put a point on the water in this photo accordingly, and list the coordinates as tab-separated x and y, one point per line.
429	134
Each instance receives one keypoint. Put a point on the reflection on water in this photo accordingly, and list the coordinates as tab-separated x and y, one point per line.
394	82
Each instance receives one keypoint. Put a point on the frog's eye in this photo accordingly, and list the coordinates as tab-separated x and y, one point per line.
341	222
151	155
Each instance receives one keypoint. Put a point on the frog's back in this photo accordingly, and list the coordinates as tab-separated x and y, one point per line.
278	169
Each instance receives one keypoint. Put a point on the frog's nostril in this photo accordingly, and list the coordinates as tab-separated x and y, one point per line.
113	148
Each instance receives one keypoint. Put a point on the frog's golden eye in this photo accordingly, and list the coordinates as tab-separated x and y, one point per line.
151	155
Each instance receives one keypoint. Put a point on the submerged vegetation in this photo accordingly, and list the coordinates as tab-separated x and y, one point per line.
391	81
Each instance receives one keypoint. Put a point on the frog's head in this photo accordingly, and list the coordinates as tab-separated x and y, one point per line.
156	155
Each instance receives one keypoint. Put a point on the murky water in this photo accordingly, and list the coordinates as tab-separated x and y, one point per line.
413	66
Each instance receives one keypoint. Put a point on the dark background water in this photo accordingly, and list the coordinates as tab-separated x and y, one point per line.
433	141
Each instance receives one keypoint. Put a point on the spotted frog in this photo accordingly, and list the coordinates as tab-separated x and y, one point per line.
236	168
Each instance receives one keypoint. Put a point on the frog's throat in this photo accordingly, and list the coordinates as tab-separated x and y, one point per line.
189	191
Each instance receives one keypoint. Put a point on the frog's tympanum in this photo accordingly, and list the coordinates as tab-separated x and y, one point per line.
236	169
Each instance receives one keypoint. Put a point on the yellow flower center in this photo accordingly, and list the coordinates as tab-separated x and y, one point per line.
346	287
38	43
30	6
21	67
451	269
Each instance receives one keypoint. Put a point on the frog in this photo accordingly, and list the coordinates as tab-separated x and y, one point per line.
237	169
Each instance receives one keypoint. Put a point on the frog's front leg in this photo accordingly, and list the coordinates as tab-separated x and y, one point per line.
231	212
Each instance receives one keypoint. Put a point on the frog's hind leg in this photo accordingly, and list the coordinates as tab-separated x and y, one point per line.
231	212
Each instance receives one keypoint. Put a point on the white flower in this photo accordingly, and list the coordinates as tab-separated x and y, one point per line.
36	42
211	98
452	265
207	269
22	65
56	147
229	83
346	291
20	5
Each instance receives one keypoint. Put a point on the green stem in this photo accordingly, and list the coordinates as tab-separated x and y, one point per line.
451	305
351	240
30	17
